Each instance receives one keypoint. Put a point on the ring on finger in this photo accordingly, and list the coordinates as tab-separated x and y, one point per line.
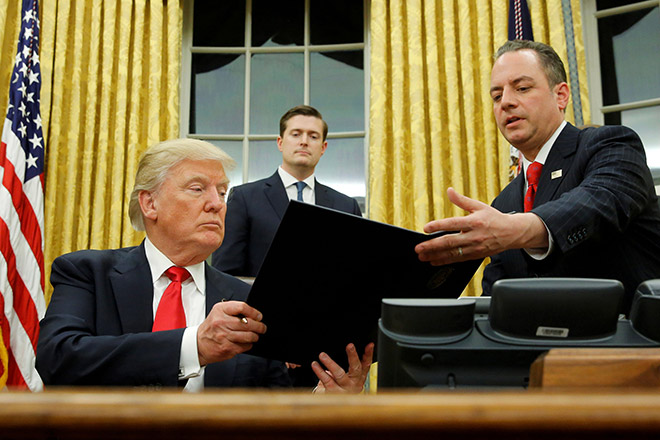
460	251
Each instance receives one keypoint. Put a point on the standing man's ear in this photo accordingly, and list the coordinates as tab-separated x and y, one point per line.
562	94
279	143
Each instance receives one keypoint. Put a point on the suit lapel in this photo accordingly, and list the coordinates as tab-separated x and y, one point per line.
133	291
511	198
321	195
276	194
557	165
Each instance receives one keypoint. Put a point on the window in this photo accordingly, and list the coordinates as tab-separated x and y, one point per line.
622	41
246	62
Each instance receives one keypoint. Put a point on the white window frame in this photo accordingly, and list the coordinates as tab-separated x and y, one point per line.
186	65
590	26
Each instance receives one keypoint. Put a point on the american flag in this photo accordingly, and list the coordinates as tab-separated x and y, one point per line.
520	28
520	23
22	212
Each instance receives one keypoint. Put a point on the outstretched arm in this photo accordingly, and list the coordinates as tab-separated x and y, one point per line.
483	232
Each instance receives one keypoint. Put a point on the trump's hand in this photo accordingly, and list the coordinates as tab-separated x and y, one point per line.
229	329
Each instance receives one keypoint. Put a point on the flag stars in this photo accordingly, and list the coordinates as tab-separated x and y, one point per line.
31	161
22	129
37	121
22	109
29	15
26	51
36	141
34	77
23	69
30	97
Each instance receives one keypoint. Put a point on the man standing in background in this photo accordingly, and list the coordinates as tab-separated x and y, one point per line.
255	209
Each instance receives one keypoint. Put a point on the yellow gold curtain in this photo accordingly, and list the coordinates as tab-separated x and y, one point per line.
10	20
431	123
111	88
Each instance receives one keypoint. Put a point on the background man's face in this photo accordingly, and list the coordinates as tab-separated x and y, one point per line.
302	143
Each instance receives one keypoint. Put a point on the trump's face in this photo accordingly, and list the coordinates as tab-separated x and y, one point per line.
187	212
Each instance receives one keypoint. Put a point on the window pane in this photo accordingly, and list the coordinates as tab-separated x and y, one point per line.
217	97
628	41
336	22
235	150
337	89
276	86
219	23
278	23
342	168
608	4
264	159
645	122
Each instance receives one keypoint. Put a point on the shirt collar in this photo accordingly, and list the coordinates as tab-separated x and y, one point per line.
159	263
288	179
542	156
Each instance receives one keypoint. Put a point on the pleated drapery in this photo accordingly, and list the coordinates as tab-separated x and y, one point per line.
431	121
110	89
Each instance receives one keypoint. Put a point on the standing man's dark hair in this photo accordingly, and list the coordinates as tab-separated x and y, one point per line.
304	110
551	64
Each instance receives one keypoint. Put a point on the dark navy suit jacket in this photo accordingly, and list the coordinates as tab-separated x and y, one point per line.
597	198
254	211
97	329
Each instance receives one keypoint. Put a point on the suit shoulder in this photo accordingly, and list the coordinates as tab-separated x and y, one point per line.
85	263
342	201
614	133
95	256
251	186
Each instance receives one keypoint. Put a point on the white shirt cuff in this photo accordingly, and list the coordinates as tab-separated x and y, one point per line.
189	360
542	253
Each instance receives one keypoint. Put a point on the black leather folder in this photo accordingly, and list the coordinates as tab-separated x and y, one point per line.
321	284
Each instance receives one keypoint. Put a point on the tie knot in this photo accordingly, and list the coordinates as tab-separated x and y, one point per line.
177	274
533	173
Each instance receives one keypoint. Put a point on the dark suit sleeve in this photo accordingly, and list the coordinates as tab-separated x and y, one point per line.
356	208
72	350
232	256
610	183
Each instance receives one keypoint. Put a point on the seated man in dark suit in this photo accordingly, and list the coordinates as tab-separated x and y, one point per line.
589	210
255	209
157	314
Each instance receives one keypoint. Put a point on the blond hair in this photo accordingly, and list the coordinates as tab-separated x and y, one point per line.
157	161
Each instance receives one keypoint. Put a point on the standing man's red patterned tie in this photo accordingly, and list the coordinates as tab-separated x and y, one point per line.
170	314
533	174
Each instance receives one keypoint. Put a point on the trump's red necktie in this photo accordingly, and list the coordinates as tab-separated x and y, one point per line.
533	174
170	314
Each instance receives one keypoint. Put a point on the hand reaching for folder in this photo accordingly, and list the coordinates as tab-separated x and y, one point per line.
333	379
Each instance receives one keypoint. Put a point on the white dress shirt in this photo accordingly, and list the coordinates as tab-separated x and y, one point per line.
193	296
541	157
290	185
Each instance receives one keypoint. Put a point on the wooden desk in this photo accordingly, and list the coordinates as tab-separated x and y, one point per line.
156	415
